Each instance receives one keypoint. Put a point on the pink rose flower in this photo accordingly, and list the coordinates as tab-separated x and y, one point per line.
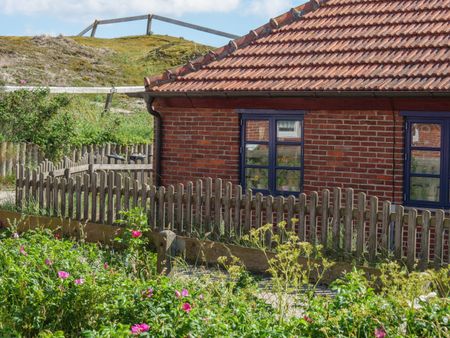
148	293
136	233
186	307
22	250
308	319
139	328
105	266
63	274
177	294
184	293
380	333
48	262
79	281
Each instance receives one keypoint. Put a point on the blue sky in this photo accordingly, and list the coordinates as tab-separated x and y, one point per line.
69	17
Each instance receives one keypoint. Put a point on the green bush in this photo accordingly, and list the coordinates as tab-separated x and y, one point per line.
58	123
54	288
36	117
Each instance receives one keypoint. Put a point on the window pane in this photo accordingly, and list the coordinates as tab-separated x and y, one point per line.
288	180
257	154
289	131
426	135
257	178
426	162
257	130
289	156
424	189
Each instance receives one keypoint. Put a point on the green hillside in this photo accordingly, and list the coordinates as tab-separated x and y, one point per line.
82	61
79	61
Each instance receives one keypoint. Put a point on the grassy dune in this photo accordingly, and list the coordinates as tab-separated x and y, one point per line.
83	61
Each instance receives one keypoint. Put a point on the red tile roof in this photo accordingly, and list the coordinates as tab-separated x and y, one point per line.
329	46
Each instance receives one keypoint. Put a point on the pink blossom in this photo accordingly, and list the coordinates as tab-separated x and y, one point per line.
308	319
187	307
63	274
139	328
380	333
79	281
48	262
22	250
105	266
177	294
184	293
136	233
148	293
22	82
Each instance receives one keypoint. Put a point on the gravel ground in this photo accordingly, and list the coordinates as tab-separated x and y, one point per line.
7	196
265	287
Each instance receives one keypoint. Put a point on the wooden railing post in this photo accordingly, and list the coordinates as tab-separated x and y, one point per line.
149	24
94	29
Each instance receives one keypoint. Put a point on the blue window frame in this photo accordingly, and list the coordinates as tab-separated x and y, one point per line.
272	151
427	160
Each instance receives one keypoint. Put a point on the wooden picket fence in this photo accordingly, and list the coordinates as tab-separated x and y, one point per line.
29	155
12	154
355	226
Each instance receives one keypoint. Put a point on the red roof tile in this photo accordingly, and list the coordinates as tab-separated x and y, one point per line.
329	45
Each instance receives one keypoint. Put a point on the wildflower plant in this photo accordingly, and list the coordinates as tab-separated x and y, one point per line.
292	264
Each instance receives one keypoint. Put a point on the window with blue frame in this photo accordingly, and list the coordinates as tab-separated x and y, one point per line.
427	165
272	152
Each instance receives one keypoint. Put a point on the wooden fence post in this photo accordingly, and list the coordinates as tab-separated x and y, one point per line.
313	202
412	224
324	217
361	226
337	193
189	207
3	159
425	241
94	29
302	216
440	215
149	24
348	228
227	209
373	225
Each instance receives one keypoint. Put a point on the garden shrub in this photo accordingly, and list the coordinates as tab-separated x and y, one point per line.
36	117
53	287
58	123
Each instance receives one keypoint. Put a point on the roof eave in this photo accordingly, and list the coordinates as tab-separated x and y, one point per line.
280	94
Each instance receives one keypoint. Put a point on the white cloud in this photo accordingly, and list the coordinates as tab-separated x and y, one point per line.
90	9
271	8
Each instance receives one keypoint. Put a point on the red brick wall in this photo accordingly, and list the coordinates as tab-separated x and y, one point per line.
199	143
358	149
342	149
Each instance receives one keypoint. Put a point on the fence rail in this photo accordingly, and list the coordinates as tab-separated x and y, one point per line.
353	225
149	18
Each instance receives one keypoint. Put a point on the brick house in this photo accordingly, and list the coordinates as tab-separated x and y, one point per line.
347	93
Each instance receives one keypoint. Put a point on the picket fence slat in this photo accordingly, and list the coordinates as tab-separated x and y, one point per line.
358	228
